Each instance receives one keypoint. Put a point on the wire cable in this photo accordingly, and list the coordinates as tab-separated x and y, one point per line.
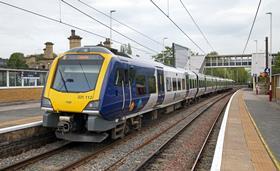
197	26
178	27
246	44
77	9
144	35
67	24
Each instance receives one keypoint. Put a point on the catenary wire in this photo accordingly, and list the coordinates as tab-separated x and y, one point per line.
67	24
256	14
178	27
197	26
131	28
84	13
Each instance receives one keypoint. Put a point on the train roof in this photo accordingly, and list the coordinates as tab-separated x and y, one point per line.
139	61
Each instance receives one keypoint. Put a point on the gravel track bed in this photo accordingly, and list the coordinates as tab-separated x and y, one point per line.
13	159
205	161
59	160
182	152
126	148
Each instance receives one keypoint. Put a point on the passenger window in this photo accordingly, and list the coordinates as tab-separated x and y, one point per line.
168	84
140	85
179	83
152	84
174	83
183	84
119	77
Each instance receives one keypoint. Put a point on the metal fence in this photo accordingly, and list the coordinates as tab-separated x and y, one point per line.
22	78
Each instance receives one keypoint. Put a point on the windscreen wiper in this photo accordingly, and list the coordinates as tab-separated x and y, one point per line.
84	75
64	82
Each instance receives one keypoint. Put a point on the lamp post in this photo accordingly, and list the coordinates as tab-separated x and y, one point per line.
111	11
270	58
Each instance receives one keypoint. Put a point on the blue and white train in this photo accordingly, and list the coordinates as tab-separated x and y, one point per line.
93	92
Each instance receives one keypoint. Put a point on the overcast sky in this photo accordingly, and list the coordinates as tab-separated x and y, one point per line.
226	23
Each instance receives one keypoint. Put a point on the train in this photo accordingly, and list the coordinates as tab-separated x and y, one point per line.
94	92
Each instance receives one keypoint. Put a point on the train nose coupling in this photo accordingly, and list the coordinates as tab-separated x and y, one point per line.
64	126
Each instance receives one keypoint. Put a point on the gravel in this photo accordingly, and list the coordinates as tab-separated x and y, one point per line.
13	159
126	150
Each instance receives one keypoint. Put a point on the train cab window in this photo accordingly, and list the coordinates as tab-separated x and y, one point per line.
174	84
179	84
168	84
140	85
152	84
183	84
119	77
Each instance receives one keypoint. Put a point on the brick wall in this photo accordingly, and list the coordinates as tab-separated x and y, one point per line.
20	94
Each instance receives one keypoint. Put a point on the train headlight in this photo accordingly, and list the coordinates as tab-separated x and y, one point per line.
46	103
93	105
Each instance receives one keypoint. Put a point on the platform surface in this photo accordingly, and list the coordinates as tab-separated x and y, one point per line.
267	117
17	114
243	147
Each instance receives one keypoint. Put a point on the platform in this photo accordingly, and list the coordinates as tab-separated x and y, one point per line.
249	137
18	114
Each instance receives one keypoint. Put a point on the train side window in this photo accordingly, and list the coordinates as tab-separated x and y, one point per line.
119	77
183	84
168	84
140	85
192	85
174	84
152	84
179	84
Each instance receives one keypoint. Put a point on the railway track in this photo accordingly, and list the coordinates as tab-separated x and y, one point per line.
194	112
24	163
140	164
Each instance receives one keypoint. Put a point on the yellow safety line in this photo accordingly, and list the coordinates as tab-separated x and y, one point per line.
271	155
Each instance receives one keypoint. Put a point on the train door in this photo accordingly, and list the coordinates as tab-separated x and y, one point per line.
121	97
187	84
160	86
127	90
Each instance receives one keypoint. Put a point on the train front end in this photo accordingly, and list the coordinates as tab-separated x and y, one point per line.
72	95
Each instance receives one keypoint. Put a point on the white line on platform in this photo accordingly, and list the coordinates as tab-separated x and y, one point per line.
19	127
217	159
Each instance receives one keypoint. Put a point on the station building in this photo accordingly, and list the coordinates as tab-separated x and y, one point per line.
27	84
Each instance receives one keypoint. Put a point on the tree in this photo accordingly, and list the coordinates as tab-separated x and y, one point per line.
213	53
276	67
239	75
165	57
16	60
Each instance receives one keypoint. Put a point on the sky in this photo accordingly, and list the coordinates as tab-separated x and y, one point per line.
226	24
